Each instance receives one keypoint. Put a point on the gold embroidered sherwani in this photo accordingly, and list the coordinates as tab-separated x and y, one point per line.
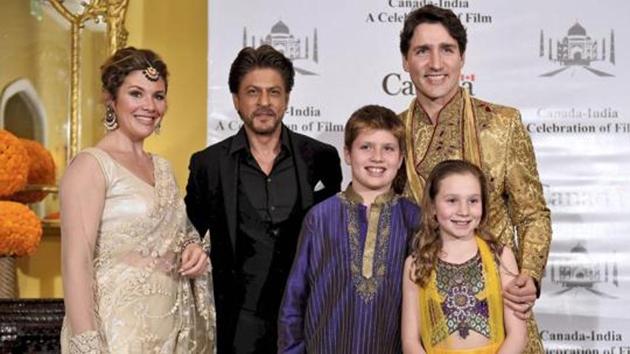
518	215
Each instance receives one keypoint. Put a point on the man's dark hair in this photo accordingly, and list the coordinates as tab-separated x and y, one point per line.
263	57
433	14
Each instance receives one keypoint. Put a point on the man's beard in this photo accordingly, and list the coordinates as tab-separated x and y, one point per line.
266	130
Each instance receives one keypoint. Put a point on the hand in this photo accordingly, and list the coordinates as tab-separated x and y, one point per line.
520	295
194	261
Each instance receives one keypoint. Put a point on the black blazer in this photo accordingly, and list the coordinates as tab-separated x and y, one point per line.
211	196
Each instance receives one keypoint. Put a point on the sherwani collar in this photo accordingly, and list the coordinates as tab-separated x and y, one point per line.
452	108
458	110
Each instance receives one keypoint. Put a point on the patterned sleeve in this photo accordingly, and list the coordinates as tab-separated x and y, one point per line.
82	198
85	343
528	210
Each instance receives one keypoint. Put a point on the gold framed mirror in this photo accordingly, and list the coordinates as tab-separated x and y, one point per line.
111	13
49	83
50	92
50	89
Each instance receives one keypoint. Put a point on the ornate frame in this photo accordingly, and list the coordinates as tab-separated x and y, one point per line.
112	13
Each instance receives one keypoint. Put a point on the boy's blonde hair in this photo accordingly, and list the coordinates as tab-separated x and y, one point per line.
374	117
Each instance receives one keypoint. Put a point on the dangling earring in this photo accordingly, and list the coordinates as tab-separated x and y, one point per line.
111	121
158	127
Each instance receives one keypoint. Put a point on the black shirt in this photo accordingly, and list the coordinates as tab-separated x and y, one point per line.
272	196
268	226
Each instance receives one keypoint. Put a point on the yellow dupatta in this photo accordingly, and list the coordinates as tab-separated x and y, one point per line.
433	322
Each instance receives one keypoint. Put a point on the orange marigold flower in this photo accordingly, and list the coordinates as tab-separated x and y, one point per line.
20	230
41	170
13	164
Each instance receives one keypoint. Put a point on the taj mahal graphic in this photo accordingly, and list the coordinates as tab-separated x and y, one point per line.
577	49
299	50
578	269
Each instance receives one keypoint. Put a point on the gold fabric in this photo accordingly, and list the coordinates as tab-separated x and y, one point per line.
518	215
433	326
368	267
489	349
142	304
469	143
469	126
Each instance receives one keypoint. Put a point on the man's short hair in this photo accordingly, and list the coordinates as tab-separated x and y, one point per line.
374	117
263	57
433	14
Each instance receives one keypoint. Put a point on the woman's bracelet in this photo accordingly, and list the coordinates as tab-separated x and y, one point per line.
188	242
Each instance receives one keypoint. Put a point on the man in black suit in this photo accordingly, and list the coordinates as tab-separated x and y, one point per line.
251	191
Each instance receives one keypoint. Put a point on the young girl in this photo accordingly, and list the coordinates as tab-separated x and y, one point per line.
452	281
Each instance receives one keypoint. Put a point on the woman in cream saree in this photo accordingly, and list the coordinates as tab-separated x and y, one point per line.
136	277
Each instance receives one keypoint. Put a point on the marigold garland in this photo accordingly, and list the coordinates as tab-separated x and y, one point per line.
13	164
41	170
20	230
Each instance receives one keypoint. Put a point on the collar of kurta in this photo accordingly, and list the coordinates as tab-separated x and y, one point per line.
354	197
471	149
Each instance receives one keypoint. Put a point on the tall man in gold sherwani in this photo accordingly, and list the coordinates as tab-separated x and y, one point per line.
444	122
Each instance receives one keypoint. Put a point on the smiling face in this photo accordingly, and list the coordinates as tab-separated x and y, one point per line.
458	206
374	159
261	101
139	105
434	63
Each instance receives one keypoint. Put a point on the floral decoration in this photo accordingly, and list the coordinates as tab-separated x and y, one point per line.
20	230
14	164
41	170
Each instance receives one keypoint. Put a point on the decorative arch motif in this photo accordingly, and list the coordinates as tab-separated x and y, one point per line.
24	90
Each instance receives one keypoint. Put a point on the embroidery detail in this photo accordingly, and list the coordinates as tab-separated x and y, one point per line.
432	300
445	136
464	304
136	280
368	261
85	343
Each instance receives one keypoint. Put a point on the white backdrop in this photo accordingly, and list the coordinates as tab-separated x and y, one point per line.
563	63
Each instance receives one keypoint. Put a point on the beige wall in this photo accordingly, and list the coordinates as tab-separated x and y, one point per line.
177	30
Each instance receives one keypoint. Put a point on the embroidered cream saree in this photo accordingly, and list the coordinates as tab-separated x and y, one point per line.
135	299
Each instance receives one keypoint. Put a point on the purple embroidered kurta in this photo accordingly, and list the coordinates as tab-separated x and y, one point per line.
343	294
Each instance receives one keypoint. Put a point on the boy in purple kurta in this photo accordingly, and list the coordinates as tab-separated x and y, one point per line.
343	294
